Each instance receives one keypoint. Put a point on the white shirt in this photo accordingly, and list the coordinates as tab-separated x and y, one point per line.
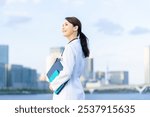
73	62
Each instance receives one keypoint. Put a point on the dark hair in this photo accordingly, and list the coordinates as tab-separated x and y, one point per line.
83	39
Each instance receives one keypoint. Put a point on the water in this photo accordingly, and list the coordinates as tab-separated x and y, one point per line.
102	96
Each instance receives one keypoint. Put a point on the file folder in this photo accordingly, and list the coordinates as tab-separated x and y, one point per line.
54	72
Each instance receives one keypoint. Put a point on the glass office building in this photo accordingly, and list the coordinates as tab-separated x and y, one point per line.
4	54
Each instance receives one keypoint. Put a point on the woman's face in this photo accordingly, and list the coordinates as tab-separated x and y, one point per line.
67	29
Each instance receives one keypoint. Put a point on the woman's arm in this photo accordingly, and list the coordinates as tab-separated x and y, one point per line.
68	62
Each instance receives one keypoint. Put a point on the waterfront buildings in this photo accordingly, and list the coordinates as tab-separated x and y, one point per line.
15	76
113	77
100	76
3	75
3	65
20	77
89	69
118	77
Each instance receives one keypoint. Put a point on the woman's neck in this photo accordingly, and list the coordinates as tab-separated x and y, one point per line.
71	38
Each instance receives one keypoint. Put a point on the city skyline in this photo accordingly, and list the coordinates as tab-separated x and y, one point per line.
118	32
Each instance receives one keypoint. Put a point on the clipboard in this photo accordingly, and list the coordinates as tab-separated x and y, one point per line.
54	72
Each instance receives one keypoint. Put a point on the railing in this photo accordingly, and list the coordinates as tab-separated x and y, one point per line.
139	88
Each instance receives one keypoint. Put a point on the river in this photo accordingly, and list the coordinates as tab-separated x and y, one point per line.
101	96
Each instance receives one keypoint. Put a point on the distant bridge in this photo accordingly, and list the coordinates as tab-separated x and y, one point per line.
139	88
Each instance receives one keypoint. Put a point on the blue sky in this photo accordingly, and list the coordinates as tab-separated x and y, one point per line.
118	31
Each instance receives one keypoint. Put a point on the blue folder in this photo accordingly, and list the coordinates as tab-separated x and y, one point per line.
53	72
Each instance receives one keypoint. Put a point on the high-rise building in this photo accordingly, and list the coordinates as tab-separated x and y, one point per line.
3	75
100	76
4	54
89	69
34	78
147	64
118	77
15	76
30	78
20	77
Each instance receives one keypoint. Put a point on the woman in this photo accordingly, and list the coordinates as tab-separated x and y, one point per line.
73	60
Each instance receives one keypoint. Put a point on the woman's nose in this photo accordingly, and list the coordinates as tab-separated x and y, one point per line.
62	29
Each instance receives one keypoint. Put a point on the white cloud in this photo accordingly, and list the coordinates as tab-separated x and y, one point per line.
2	2
15	13
15	20
10	2
36	1
139	30
74	2
112	2
12	16
109	28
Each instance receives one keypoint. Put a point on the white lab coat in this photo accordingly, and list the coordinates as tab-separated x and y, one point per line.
73	64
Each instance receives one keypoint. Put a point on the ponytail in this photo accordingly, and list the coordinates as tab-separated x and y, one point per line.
84	45
83	39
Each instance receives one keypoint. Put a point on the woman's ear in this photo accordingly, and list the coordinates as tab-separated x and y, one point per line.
75	28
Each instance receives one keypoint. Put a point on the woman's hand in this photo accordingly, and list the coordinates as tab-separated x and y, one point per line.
50	87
